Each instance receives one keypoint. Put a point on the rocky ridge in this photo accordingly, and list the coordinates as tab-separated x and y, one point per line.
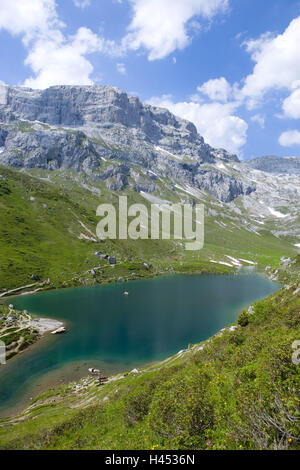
277	165
110	136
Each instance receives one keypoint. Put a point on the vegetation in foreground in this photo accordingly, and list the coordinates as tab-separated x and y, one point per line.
238	390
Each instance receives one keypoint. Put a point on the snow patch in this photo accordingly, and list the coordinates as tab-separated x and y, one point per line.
221	224
221	165
233	260
221	262
82	236
225	264
154	199
197	193
247	261
92	189
167	153
277	214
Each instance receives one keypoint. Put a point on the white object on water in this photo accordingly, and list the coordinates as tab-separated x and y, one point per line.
94	371
59	331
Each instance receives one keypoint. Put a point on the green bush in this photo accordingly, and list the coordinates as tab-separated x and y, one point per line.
243	319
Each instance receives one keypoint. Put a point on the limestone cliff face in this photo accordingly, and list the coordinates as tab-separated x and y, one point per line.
82	127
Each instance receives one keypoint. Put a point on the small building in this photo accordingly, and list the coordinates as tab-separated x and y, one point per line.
112	260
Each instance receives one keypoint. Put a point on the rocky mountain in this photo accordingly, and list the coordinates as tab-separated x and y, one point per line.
65	150
273	164
107	137
110	136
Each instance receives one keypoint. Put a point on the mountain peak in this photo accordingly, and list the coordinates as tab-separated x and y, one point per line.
82	127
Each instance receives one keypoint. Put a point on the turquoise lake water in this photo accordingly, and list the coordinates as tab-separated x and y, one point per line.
117	333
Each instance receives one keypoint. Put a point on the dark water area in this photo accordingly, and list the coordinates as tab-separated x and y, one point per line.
116	333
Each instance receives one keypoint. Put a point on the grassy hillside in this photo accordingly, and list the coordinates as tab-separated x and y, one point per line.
238	390
47	235
41	226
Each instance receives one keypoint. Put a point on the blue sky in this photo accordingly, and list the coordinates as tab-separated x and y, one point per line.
230	66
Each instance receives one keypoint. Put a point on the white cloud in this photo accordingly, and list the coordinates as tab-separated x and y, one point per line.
62	61
214	108
82	3
216	122
291	105
277	63
290	138
28	17
57	62
121	68
217	89
260	119
54	58
162	26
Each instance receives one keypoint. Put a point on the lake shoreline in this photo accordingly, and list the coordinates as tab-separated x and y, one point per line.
37	327
45	288
93	363
47	325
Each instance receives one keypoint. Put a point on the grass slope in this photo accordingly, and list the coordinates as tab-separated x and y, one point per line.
43	215
239	390
41	223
